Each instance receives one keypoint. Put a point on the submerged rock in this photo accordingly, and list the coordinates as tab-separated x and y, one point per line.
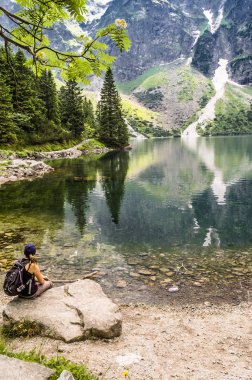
73	312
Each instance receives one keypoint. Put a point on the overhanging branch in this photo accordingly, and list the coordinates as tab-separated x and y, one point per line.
16	43
13	17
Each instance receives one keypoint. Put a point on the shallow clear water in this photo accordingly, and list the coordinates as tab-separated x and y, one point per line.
175	207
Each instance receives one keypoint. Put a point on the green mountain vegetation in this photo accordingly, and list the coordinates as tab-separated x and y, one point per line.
150	78
173	92
233	113
142	119
176	92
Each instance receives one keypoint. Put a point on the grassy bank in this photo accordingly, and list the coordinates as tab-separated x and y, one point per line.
57	363
26	151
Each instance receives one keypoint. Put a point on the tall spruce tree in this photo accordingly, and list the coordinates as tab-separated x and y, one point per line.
29	109
71	107
48	94
89	119
8	128
7	65
113	130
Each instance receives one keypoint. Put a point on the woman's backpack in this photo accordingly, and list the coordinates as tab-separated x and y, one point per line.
13	283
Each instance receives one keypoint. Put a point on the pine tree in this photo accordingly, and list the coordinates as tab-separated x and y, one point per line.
7	126
6	64
89	119
28	107
113	130
48	94
71	107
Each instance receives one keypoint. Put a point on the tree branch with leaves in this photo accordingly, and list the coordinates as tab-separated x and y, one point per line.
28	32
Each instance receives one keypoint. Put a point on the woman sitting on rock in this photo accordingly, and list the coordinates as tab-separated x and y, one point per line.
37	283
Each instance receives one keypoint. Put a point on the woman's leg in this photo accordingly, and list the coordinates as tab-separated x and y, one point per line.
42	288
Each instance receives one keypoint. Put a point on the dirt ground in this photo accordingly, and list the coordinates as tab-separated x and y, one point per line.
189	342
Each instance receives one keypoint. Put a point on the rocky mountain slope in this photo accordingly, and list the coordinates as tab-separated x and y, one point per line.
232	41
176	91
162	31
176	48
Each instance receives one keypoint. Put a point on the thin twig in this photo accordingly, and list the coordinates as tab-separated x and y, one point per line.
12	15
89	275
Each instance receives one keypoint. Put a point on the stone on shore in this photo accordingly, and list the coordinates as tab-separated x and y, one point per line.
72	312
65	375
19	169
15	369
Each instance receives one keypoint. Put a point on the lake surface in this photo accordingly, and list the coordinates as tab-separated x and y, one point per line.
179	210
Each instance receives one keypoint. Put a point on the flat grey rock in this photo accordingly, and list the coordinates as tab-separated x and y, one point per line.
72	312
65	375
15	369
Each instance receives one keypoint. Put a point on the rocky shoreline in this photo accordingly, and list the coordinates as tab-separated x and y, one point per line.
160	343
190	341
13	168
19	169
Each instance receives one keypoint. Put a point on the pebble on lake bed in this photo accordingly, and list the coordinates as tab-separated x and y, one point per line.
134	275
198	284
121	284
146	272
173	289
207	303
166	281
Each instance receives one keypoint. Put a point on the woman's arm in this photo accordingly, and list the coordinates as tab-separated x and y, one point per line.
38	274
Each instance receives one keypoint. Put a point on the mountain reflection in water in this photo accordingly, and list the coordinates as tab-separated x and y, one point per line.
166	195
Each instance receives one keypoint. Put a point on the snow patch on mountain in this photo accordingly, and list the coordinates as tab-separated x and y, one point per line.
96	9
164	2
214	24
74	28
160	1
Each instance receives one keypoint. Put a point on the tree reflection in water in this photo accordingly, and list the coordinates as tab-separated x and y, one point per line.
113	170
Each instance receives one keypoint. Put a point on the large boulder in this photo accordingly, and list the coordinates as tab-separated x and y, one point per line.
72	312
15	369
